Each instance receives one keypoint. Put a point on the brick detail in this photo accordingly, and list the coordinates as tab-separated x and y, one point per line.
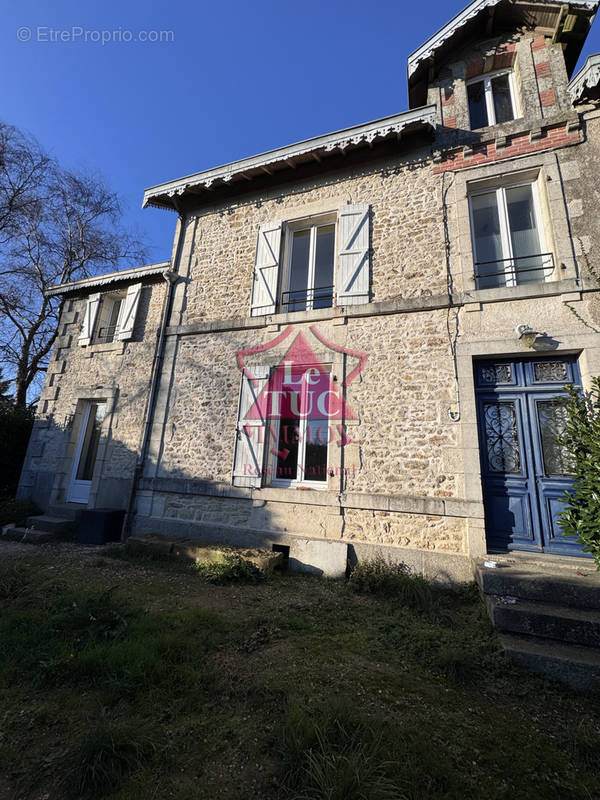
447	97
538	43
548	98
543	70
515	146
450	122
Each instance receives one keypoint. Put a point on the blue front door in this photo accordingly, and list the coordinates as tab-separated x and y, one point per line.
524	471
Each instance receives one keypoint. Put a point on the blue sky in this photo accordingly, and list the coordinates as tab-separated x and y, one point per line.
237	79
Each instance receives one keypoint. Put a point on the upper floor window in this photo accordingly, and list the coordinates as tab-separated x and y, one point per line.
492	99
110	317
312	263
310	258
107	325
508	237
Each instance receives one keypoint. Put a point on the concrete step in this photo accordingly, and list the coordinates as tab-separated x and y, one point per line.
28	535
578	667
575	588
545	620
45	522
66	510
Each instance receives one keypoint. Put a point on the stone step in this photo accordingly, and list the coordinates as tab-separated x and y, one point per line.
545	620
45	522
574	588
576	666
66	510
27	535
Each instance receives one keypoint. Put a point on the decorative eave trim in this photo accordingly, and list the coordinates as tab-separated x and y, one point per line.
319	145
426	50
437	40
588	77
110	277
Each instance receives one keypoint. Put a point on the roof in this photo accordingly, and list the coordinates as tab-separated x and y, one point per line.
292	155
500	14
123	276
586	79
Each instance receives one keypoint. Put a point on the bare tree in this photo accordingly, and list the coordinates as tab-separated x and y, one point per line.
55	226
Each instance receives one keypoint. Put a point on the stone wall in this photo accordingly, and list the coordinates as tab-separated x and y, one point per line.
403	194
118	372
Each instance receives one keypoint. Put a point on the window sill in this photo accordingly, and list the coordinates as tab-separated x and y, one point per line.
306	486
526	290
107	347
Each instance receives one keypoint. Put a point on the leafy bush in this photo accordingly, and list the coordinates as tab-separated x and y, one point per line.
233	569
393	581
16	425
16	512
581	438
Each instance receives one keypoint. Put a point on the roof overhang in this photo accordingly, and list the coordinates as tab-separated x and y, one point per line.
568	23
123	277
586	84
290	157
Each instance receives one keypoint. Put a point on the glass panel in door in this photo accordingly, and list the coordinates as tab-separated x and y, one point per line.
524	234
86	452
324	256
299	270
488	241
552	423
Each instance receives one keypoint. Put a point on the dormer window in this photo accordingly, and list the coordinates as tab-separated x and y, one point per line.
492	99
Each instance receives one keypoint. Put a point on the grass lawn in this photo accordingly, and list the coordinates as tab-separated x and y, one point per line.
127	678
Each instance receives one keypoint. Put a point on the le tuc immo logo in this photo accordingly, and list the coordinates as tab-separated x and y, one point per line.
293	409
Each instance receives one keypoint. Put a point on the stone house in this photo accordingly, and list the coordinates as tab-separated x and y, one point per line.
422	278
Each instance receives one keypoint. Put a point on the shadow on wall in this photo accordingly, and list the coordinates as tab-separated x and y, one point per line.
177	505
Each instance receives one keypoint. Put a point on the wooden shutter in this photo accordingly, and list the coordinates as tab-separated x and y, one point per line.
353	255
250	433
89	320
266	269
128	312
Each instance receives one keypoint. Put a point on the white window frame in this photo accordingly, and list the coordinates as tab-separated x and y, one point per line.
273	428
507	252
107	304
486	79
307	223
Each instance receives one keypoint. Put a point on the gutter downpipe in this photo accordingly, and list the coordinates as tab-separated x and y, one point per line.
171	276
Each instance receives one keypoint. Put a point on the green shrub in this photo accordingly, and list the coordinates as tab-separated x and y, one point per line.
332	758
14	581
16	512
391	580
16	425
581	439
233	569
96	767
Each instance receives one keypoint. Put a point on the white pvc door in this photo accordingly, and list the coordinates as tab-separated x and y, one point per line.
86	452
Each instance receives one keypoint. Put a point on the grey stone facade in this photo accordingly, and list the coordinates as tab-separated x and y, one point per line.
409	484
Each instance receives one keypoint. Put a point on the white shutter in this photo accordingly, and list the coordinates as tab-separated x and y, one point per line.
353	255
250	433
128	312
266	269
89	320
